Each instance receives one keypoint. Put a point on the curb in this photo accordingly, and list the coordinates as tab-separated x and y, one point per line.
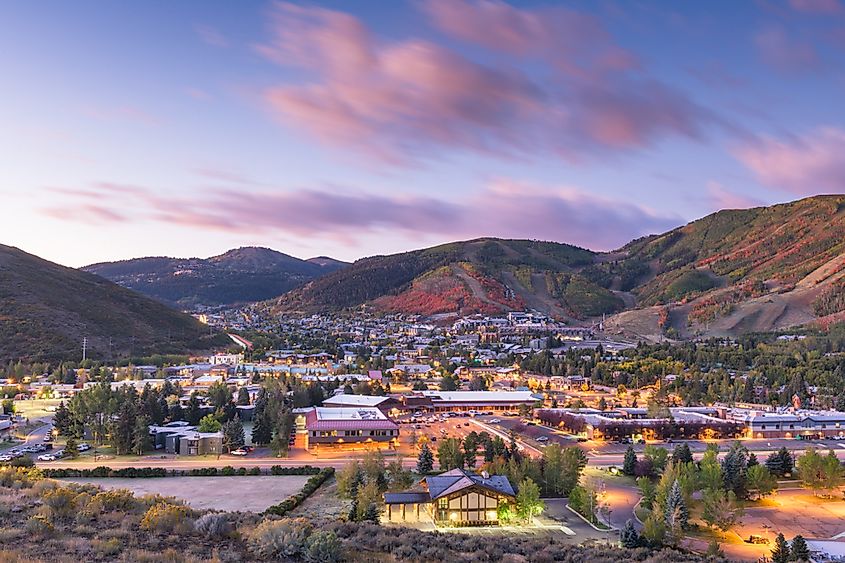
593	526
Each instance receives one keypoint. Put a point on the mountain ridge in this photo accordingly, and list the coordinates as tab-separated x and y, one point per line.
47	309
240	275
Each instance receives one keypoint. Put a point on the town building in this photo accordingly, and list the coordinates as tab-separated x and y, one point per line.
339	427
183	439
454	498
441	401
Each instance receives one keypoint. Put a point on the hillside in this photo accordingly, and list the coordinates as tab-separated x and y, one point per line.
484	275
735	270
239	276
730	272
47	309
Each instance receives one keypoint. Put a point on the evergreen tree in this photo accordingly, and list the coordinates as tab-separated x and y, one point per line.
122	429
682	454
243	397
262	429
800	550
141	435
677	514
71	449
734	468
781	553
371	514
630	463
193	413
62	419
233	434
752	460
629	537
425	460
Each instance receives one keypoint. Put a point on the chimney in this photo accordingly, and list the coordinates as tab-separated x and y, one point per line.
485	475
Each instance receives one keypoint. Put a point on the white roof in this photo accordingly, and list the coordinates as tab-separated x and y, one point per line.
359	413
355	400
481	396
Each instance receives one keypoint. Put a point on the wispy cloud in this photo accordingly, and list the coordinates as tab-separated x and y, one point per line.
211	35
406	99
805	165
504	208
785	52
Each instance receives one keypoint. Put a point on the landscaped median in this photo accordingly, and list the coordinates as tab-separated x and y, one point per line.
295	500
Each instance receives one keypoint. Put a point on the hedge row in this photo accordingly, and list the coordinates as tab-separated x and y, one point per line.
310	486
143	472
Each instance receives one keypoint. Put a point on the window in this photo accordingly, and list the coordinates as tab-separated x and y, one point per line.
442	503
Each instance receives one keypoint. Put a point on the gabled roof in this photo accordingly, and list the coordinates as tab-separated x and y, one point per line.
457	479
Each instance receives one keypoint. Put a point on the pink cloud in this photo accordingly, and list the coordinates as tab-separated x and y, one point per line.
573	42
804	165
505	208
403	99
722	198
817	6
783	52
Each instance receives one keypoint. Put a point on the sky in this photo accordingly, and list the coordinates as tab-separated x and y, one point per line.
350	129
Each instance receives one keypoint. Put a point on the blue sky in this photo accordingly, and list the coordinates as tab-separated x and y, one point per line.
356	128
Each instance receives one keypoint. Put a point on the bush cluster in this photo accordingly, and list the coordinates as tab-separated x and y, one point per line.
302	470
295	500
131	472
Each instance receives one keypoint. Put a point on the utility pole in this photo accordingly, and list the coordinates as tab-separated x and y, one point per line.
84	347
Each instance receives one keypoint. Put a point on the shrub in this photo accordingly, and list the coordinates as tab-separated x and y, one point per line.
322	547
106	548
60	504
111	501
213	525
277	538
39	527
302	470
255	471
227	471
165	517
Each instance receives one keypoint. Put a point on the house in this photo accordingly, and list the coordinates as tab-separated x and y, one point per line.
338	427
454	498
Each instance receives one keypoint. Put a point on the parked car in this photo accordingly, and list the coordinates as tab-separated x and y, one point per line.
239	452
5	458
543	439
495	420
48	457
83	447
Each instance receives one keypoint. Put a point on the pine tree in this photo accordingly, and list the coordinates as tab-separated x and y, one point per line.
233	434
780	553
800	550
371	514
141	435
262	430
243	397
630	463
71	449
682	454
677	514
193	413
62	419
734	468
629	537
425	460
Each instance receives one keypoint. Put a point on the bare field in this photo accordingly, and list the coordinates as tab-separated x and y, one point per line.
246	494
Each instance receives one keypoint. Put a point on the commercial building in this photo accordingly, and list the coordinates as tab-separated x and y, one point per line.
796	424
339	427
439	401
344	400
454	498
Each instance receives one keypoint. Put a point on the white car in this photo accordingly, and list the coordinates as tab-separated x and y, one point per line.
83	447
47	457
495	420
5	458
543	439
239	452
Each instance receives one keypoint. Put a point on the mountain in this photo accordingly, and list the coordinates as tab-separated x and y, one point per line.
238	276
734	271
484	275
730	272
46	310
